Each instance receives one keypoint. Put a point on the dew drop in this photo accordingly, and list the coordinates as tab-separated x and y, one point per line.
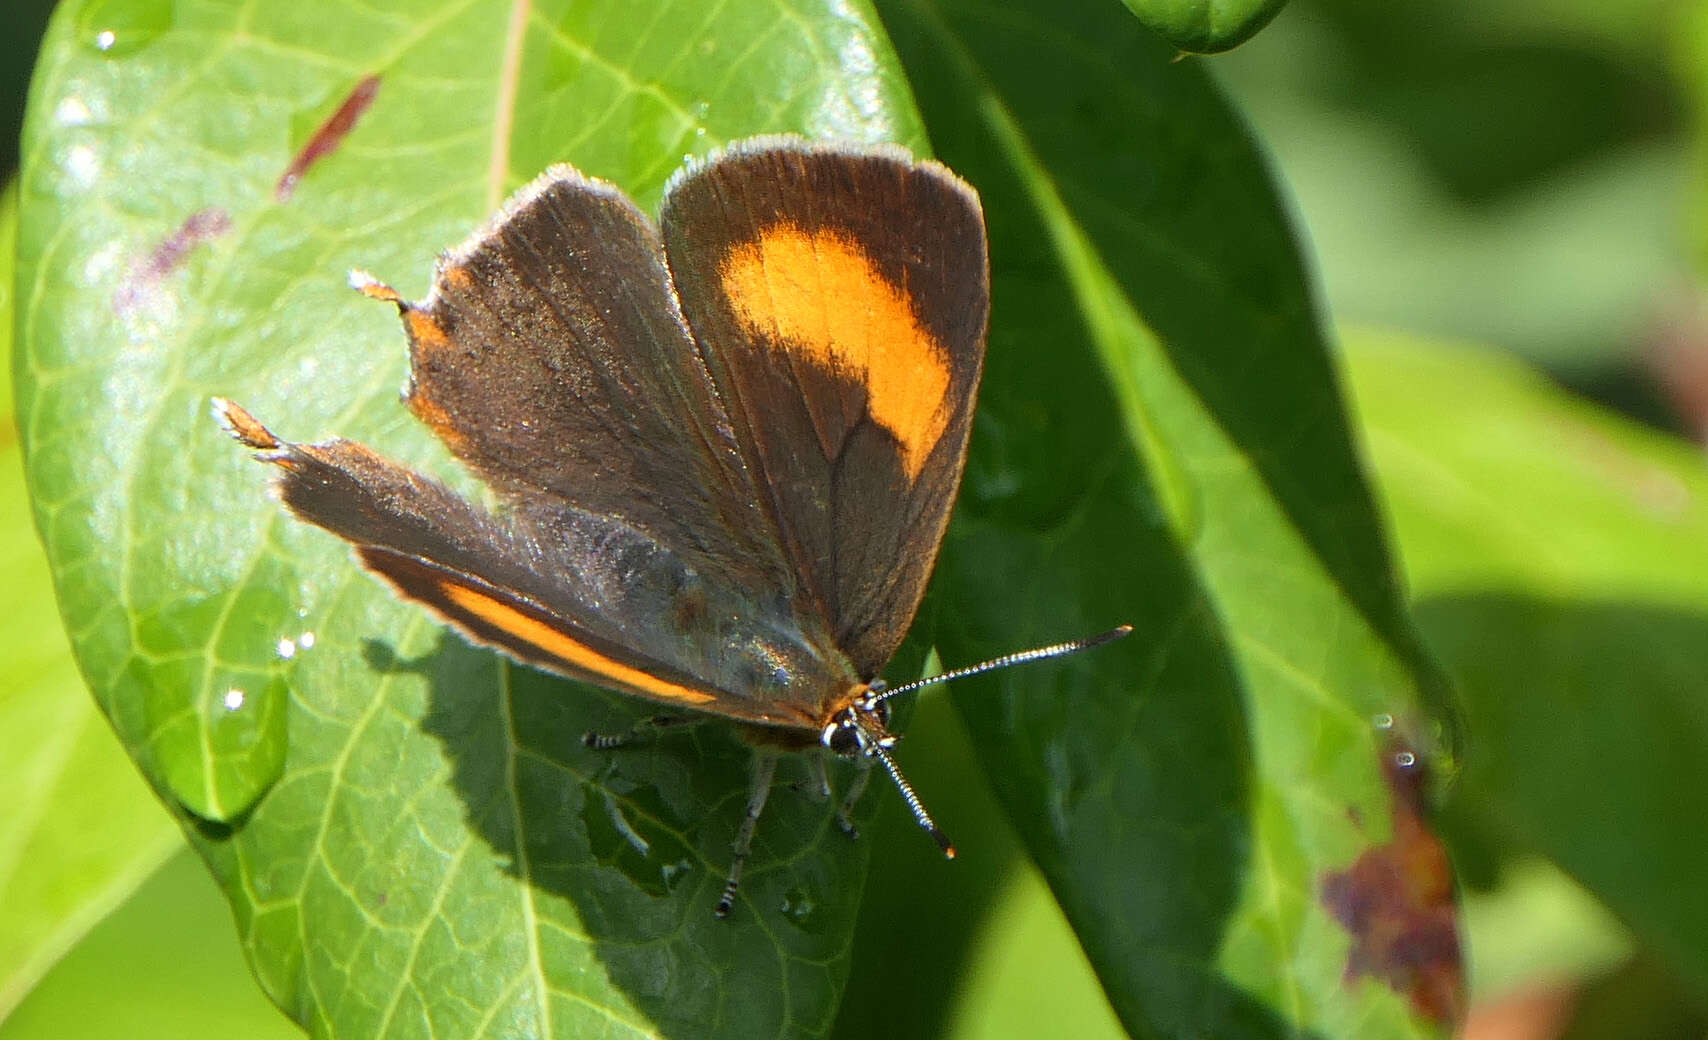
234	699
104	264
72	111
118	27
81	164
1383	720
1405	759
287	649
673	873
799	906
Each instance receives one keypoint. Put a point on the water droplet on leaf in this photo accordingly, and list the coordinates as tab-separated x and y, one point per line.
800	907
114	29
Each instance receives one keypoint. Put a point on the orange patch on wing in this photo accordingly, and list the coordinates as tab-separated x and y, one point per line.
243	426
429	338
426	332
550	641
434	415
819	293
456	276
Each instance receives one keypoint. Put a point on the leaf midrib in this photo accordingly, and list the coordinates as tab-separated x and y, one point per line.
504	104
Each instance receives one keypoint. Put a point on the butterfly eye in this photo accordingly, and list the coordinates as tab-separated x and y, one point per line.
842	738
882	711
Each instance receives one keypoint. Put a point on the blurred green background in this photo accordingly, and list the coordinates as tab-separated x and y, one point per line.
1521	174
1516	174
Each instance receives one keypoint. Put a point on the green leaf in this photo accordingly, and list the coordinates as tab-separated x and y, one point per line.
409	830
80	830
1519	168
1558	556
1205	26
986	950
1161	441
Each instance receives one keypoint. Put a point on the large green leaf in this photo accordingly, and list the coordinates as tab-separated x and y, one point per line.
1559	559
410	832
410	835
1161	441
80	830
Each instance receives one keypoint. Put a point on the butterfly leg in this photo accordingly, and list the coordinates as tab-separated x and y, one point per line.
764	768
645	729
845	811
820	790
819	787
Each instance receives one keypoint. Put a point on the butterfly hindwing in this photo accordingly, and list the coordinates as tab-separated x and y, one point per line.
581	594
497	617
840	302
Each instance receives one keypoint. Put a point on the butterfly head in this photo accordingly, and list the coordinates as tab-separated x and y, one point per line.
861	728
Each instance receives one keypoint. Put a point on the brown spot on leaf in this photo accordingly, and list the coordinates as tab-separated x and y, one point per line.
204	225
328	137
1397	901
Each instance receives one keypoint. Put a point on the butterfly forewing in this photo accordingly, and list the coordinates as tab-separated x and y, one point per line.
840	302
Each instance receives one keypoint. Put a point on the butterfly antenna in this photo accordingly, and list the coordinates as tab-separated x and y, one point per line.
1073	646
913	803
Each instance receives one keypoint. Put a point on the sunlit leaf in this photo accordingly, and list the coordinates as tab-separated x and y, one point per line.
1161	441
412	836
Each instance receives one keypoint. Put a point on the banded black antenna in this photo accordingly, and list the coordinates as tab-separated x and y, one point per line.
1072	646
876	744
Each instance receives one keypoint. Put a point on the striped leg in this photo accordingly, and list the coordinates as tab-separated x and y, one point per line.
645	729
764	768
